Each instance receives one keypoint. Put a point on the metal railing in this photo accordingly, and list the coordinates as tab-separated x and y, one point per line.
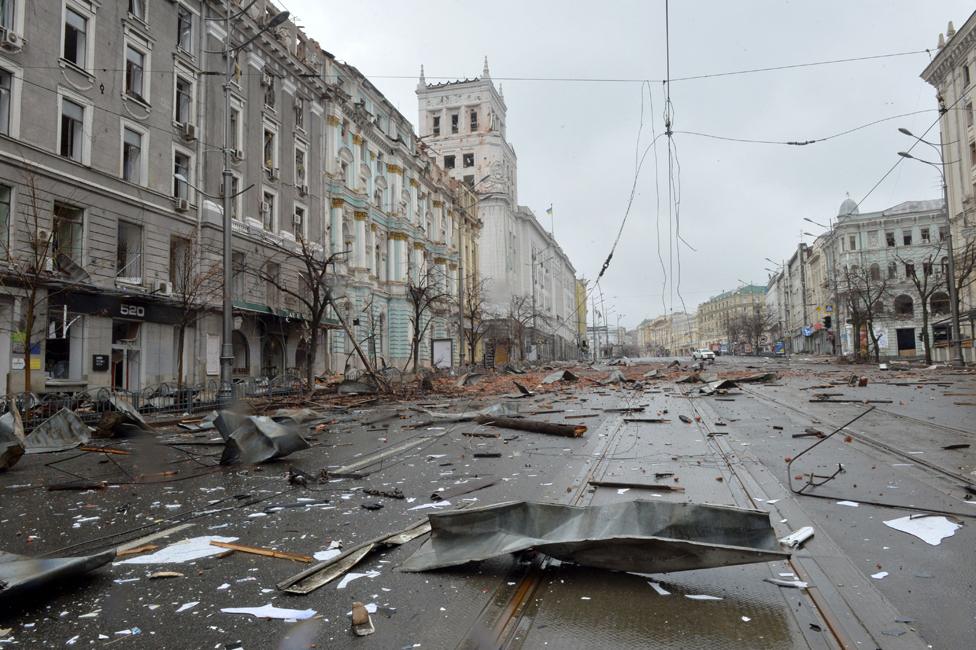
162	401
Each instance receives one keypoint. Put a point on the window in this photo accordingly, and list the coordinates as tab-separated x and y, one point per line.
235	130
137	8
474	121
299	113
128	253
7	8
892	270
906	237
904	306
235	196
965	75
180	263
183	106
270	149
268	211
135	64
437	125
268	81
469	180
972	153
239	264
940	303
75	38
184	28
132	156
927	268
909	270
454	123
468	159
6	193
969	113
181	175
852	242
875	272
448	162
72	130
925	235
298	222
6	100
890	239
66	237
300	175
272	275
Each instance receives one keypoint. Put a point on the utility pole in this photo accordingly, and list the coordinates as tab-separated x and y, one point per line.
226	392
533	296
461	341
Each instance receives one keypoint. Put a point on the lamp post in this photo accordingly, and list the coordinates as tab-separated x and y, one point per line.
955	333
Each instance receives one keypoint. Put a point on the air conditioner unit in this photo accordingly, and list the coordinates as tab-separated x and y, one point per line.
181	205
303	190
49	264
189	131
11	40
238	154
164	287
43	237
296	219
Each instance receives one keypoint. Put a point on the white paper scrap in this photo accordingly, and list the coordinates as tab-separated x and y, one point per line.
327	554
745	619
930	529
623	490
701	597
849	504
183	551
270	611
438	504
879	575
661	591
349	577
189	605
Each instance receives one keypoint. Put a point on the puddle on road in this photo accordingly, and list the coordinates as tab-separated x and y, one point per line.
582	608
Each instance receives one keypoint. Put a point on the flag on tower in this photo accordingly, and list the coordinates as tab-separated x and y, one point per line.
549	210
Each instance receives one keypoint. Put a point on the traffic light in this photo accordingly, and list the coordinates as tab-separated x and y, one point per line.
826	322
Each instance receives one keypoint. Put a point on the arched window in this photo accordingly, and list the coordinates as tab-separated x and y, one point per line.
939	303
878	308
875	272
904	306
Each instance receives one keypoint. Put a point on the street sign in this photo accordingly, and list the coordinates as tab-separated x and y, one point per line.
763	340
829	308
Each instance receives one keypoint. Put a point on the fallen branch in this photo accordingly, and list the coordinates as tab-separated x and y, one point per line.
534	426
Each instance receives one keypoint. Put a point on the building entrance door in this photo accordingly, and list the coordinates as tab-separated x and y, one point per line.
906	341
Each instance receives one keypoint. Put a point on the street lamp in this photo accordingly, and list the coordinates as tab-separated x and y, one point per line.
955	333
816	223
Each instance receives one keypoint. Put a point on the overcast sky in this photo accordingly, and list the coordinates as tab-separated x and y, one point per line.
575	140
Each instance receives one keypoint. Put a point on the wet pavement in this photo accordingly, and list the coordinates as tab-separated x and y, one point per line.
891	456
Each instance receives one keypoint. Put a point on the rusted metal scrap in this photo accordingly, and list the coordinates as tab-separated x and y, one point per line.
639	536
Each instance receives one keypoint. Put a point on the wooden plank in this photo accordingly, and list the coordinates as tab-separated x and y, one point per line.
266	552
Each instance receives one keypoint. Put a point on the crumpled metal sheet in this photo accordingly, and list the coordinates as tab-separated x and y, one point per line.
11	438
495	410
559	375
20	574
257	439
638	536
62	431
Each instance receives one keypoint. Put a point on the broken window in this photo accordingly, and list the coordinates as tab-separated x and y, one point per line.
965	75
925	235
852	242
268	81
940	303
875	272
904	306
469	180
890	238
299	113
137	8
942	233
64	344
927	268
66	238
449	162
181	175
6	90
909	270
474	121
298	221
180	262
892	270
969	114
272	274
235	131
468	160
6	192
128	256
269	149
131	156
300	168
437	125
454	123
75	38
268	211
183	108
906	237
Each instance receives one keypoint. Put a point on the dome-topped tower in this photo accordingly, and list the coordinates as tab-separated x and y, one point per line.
848	207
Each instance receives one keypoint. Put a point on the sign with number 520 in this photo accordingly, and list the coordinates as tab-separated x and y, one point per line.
133	311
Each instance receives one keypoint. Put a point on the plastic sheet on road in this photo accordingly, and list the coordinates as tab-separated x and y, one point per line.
638	536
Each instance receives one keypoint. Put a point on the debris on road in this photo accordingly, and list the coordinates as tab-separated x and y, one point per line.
794	584
638	536
62	431
362	625
685	419
534	426
21	575
931	529
561	375
270	611
258	438
465	487
662	487
266	552
797	538
186	550
11	438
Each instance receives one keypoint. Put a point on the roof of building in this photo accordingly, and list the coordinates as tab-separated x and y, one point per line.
847	208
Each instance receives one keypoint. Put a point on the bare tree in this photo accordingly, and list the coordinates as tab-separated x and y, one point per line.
754	324
195	283
733	331
312	292
476	314
927	283
523	318
37	271
427	294
865	292
965	263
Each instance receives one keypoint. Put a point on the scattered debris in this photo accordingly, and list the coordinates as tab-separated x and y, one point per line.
257	439
794	584
702	597
662	487
62	431
797	538
266	552
534	426
614	377
186	550
561	375
11	437
362	625
639	536
849	504
21	574
648	420
524	392
395	493
157	575
931	529
685	419
270	611
962	445
471	485
470	379
487	454
656	586
759	378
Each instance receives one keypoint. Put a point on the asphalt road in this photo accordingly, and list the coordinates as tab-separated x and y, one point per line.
893	456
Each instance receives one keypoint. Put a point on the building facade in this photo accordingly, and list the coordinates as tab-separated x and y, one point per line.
716	318
952	72
110	195
464	122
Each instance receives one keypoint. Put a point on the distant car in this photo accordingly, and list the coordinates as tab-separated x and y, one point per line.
702	355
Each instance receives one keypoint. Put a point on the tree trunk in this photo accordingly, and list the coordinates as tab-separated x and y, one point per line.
28	337
313	353
925	333
179	360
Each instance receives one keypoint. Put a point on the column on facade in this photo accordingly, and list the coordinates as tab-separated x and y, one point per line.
335	226
391	269
359	244
452	278
357	159
402	261
332	144
414	213
395	182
